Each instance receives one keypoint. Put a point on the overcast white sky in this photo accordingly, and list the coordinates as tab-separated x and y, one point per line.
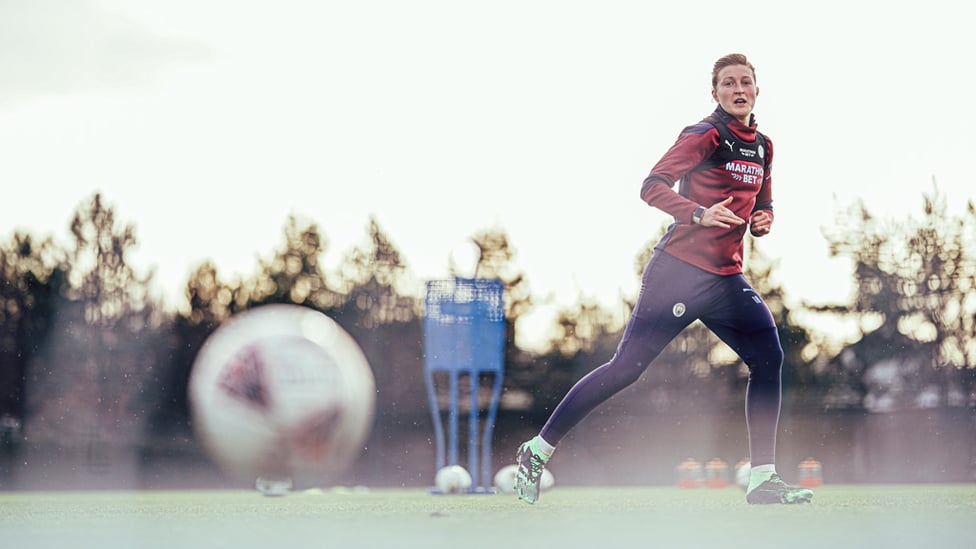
205	123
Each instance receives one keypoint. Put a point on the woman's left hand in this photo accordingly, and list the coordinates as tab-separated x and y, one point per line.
760	222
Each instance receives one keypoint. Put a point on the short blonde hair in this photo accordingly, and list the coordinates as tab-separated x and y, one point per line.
728	61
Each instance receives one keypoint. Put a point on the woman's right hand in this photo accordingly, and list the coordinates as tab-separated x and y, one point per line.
719	215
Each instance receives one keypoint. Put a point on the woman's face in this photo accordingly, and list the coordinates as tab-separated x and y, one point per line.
736	91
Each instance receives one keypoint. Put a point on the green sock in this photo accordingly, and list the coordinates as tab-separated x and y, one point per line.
544	446
759	475
541	447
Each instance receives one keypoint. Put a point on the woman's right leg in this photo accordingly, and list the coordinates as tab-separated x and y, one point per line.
657	318
664	308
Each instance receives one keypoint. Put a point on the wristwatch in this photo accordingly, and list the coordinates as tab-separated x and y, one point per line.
697	216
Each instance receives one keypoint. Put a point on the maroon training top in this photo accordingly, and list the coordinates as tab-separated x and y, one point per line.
740	169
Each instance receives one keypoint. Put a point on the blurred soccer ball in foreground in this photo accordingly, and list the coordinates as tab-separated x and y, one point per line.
452	479
505	480
281	392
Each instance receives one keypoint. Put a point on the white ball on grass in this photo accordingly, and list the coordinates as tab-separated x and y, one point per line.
743	471
505	479
548	481
453	479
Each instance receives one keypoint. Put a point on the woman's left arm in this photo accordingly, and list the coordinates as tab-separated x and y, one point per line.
761	219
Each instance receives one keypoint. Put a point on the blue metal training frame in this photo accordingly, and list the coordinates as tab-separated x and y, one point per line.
464	334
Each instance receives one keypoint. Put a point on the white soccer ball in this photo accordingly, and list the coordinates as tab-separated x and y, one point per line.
282	392
547	481
453	479
504	480
743	472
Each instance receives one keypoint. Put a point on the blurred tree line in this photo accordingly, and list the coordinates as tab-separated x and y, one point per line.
89	358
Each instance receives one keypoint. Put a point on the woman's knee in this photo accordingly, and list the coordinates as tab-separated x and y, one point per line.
767	357
623	370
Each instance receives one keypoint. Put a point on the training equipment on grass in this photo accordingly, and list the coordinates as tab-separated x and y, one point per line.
809	473
689	474
743	473
277	486
282	392
504	480
716	473
452	479
464	353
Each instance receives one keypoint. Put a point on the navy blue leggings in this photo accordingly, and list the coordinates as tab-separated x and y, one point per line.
673	295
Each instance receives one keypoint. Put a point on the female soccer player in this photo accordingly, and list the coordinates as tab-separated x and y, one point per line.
723	166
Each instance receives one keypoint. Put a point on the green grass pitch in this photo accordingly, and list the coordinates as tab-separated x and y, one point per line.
926	516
